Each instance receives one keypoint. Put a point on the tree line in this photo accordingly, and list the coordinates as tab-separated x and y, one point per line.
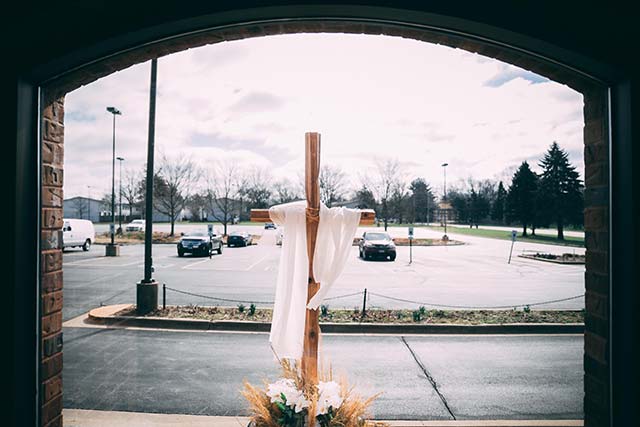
227	191
552	198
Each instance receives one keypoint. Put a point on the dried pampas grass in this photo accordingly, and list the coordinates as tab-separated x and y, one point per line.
352	413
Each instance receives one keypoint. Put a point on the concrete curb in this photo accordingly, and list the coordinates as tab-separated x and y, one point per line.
106	316
95	418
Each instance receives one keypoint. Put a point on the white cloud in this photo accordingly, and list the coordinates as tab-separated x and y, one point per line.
368	96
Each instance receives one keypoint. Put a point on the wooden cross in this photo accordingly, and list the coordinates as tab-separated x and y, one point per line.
312	189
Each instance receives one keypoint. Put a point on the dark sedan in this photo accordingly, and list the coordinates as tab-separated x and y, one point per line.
199	244
239	238
376	244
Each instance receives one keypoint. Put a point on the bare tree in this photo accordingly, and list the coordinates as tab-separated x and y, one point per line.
172	186
258	188
285	191
333	184
81	205
389	181
222	192
242	181
197	206
131	190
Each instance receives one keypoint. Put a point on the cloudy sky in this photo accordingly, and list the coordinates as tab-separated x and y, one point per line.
371	97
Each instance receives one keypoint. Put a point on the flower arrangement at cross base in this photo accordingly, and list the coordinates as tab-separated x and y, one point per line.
288	402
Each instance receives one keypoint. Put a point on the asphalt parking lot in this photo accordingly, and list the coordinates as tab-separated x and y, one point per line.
472	275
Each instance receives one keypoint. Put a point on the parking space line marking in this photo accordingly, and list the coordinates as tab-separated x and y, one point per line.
256	263
102	265
188	266
81	261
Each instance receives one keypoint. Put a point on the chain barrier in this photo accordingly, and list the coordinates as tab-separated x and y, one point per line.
477	307
249	302
344	296
369	293
217	298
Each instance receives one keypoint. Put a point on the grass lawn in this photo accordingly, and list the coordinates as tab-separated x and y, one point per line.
506	235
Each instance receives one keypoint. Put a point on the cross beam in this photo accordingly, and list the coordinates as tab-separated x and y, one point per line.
367	216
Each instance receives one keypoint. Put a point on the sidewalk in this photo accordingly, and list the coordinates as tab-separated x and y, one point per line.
89	418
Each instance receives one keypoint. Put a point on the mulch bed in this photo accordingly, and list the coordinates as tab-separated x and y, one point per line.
419	316
558	259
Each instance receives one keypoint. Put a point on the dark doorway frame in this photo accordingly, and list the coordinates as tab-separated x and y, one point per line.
39	86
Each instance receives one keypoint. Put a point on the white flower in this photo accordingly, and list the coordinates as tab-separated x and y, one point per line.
328	396
282	386
293	397
299	402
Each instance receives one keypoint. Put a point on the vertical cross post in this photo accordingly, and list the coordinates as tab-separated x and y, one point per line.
311	326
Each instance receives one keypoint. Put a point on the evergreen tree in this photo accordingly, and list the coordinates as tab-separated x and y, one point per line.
498	208
460	205
422	200
561	198
366	199
521	198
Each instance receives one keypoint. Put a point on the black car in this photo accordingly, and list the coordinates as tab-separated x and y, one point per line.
239	238
377	244
199	243
269	226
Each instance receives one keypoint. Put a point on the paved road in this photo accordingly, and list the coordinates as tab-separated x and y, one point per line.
499	377
475	274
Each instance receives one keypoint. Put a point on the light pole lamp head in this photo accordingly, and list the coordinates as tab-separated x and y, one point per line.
445	164
114	110
120	158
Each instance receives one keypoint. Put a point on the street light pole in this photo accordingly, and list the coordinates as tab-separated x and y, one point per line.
111	249
444	168
120	159
147	288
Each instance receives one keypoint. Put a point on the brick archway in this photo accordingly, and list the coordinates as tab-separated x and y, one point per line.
596	156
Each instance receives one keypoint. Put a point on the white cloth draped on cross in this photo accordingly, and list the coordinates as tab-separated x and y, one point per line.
336	229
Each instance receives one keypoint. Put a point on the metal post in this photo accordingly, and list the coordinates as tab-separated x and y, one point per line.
148	229
113	183
510	252
514	233
444	167
364	304
147	288
89	200
410	250
120	159
164	296
111	249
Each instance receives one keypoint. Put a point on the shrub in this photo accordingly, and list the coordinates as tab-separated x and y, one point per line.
422	310
526	309
417	316
252	309
324	310
241	308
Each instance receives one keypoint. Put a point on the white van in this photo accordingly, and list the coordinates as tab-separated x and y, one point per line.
78	233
